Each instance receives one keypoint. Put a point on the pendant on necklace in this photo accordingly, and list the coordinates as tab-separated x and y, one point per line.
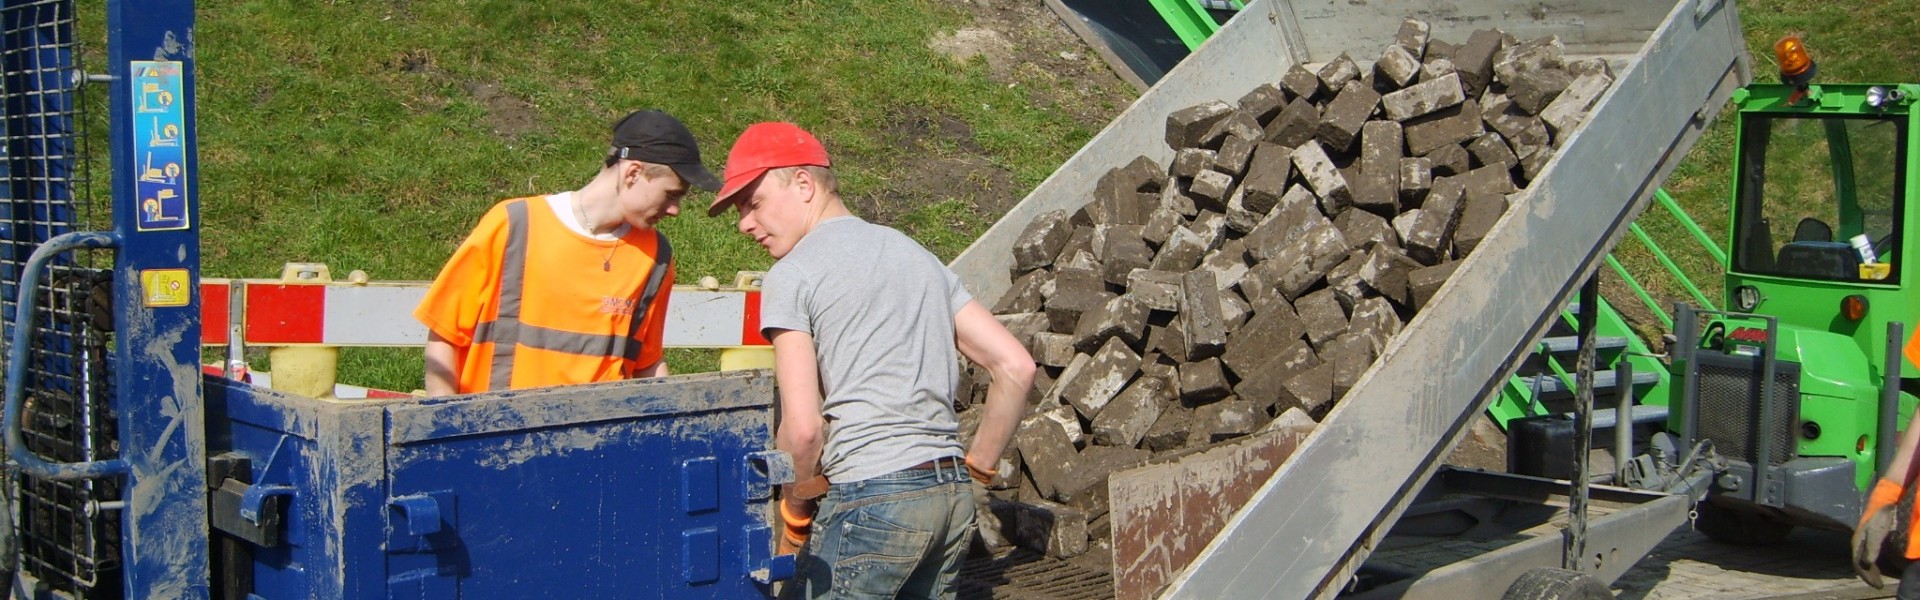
608	265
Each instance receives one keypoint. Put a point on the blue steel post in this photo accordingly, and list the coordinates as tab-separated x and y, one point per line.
156	284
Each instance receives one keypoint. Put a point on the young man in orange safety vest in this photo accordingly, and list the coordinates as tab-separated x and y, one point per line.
1878	521
571	287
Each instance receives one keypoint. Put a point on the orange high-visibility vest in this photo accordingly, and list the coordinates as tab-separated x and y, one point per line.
527	302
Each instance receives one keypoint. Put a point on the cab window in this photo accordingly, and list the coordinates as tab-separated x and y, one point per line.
1820	197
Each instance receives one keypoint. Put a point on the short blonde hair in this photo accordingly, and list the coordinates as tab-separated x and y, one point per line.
823	175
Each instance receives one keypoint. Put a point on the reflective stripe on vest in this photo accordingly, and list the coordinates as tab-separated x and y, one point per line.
507	333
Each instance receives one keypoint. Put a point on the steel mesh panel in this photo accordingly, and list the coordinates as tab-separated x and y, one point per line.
1730	409
64	540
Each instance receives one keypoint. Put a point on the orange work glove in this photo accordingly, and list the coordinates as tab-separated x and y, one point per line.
985	523
796	525
1876	523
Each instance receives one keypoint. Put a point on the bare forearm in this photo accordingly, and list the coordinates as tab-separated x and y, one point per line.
659	369
441	377
1006	400
1901	468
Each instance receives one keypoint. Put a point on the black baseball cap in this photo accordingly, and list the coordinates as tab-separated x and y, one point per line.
656	137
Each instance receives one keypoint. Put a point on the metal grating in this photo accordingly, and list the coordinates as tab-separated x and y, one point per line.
48	115
1729	393
1028	575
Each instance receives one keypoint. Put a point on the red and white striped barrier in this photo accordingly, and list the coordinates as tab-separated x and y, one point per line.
276	313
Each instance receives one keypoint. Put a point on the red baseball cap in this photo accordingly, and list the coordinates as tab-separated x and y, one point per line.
763	147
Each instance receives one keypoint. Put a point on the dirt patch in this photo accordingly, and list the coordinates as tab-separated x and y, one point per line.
933	157
1024	43
965	44
507	115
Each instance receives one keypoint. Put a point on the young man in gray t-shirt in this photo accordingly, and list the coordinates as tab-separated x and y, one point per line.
865	324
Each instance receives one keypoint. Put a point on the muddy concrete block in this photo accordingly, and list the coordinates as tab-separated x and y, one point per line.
1053	349
1239	124
1240	220
1041	241
1424	98
1321	175
1589	66
1303	84
1375	321
1382	145
1491	149
1093	466
1160	225
1116	196
1477	218
1267	173
1081	240
1424	283
1569	109
1435	68
1234	153
1082	260
1346	282
1453	125
1413	36
1363	229
1122	249
1533	55
1312	389
1297	213
1350	356
1520	129
1226	420
1171	430
1104	376
1202	382
1209	190
1050	528
1158	290
1126	420
1265	384
1533	159
1349	110
1188	162
1182	252
1228	264
1475	60
1023	326
1027	293
1296	124
1420	235
1491	180
1308	261
1047	453
1121	317
1212	226
1234	310
1053	398
1174	199
1450	159
1416	177
1377	193
1322	315
1076	291
1444	202
1268	330
1188	126
1438	48
1201	321
1397	66
1337	73
1386	272
1263	102
1533	91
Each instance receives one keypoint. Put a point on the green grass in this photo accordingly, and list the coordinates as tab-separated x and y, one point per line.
363	134
1861	41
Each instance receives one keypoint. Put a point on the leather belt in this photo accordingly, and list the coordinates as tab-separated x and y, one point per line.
949	462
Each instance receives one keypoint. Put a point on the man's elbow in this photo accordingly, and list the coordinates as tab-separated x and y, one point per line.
801	435
1014	372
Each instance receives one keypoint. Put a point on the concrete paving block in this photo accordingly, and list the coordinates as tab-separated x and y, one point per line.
1532	55
1416	177
1174	199
1386	272
1452	125
1491	149
1225	420
1349	110
1186	127
1301	83
1375	192
1182	252
1053	529
1441	49
1350	356
1239	124
1046	452
1520	129
1347	282
1312	389
1041	241
1375	320
1322	315
1239	219
1364	229
1234	310
1293	419
1337	73
1212	227
1533	91
1023	326
1201	321
1053	349
1587	66
1123	248
1296	124
1160	225
1080	240
1424	98
1296	213
1076	290
1413	36
1265	384
1450	159
1396	65
1234	153
1112	366
1321	175
1228	264
1425	237
1126	420
1569	109
1382	145
1202	382
1533	159
1027	293
1092	467
1477	217
1474	59
1444	202
1081	259
1158	290
1263	102
1188	162
1492	180
1266	177
1171	430
1116	199
1121	317
1268	330
1209	190
1435	68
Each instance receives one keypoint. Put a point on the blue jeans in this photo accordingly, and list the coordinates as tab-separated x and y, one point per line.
899	535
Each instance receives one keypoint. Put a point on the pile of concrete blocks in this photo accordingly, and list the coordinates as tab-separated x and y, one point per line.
1263	271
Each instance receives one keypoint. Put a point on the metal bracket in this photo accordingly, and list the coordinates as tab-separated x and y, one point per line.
421	511
765	469
256	496
264	527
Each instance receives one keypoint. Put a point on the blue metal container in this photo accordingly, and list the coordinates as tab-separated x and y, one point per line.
641	488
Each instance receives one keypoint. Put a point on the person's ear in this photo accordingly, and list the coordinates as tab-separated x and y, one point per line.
803	179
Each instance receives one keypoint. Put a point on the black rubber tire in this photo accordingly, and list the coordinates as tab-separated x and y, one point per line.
1734	526
1547	583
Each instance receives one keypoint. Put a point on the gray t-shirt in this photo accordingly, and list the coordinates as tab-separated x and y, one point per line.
880	309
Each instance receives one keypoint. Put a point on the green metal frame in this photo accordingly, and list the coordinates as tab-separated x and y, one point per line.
1189	20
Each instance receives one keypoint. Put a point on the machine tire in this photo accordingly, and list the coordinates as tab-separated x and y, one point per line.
1734	526
1547	583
